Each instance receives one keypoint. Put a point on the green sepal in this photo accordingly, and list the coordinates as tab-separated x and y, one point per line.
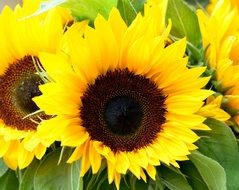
234	126
217	85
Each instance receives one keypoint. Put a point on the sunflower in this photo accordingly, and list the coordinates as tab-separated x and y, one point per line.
221	47
21	41
120	96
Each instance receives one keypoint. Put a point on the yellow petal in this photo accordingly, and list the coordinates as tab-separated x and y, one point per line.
151	171
24	157
122	162
95	158
85	162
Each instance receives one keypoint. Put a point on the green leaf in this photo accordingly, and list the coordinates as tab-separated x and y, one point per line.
173	180
9	181
138	5
220	144
127	11
28	176
185	23
193	176
211	171
3	168
51	175
88	9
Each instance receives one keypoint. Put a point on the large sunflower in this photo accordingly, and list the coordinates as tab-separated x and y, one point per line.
222	48
21	40
120	95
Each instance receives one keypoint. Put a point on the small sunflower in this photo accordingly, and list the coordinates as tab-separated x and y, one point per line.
21	40
121	96
222	48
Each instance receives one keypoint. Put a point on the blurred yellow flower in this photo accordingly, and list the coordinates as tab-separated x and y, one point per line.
220	32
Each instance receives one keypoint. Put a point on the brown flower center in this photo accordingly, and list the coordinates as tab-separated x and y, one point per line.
123	110
18	85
